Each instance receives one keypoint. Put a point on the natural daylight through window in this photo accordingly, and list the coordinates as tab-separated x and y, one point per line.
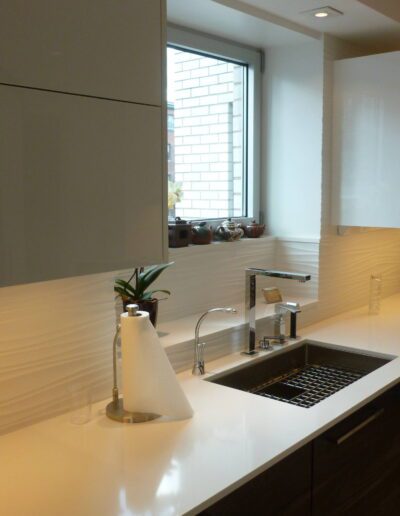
207	135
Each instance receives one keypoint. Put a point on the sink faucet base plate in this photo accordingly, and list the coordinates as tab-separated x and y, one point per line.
249	352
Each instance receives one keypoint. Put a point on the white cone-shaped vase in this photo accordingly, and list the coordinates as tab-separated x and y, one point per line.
149	382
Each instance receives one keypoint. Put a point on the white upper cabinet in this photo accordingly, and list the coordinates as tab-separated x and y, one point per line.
80	185
103	48
82	137
366	141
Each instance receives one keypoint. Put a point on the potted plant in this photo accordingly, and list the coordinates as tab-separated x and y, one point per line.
135	289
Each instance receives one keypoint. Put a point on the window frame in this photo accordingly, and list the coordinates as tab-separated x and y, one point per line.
219	48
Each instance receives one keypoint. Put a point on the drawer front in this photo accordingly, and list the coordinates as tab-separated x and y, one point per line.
356	464
103	48
284	490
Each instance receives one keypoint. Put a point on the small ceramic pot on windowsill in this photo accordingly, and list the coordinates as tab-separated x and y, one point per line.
253	230
179	232
229	231
202	234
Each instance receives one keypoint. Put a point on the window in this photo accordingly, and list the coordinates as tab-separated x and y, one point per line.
213	155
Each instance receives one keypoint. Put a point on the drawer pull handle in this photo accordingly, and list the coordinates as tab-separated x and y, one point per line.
359	427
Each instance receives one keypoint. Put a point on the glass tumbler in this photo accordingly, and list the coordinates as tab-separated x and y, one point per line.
375	292
80	404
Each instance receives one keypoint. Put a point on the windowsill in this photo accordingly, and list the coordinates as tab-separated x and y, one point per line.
216	243
245	241
181	331
307	240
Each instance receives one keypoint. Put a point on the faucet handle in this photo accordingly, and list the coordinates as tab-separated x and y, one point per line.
288	306
198	366
198	369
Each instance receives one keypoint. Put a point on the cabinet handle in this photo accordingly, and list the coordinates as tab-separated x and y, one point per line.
366	422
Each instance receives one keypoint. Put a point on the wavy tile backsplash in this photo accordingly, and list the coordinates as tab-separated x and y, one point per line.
52	334
346	264
58	333
205	276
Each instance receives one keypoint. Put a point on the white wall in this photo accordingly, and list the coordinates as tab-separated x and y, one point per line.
345	262
292	140
295	80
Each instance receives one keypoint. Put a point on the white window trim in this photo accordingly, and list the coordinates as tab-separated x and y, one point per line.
217	47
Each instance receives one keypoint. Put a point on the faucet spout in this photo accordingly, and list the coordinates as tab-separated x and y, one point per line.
250	298
198	365
299	276
282	308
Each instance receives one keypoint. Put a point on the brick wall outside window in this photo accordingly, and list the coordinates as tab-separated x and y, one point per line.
208	135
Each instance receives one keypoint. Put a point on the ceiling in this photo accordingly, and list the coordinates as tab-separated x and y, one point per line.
390	8
214	18
371	23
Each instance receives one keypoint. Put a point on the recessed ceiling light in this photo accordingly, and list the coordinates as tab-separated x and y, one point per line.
323	12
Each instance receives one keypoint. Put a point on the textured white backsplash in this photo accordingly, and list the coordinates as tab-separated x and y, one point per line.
346	264
57	333
207	276
53	334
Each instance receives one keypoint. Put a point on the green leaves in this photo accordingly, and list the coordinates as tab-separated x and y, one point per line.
125	286
143	279
146	278
152	292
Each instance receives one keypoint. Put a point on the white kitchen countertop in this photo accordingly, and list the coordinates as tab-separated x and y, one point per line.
104	468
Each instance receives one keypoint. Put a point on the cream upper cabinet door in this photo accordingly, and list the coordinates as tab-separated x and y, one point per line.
366	141
103	48
81	185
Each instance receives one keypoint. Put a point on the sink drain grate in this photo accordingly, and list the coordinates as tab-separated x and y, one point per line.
309	385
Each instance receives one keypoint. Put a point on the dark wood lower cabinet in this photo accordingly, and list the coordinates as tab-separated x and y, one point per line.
356	464
284	489
352	469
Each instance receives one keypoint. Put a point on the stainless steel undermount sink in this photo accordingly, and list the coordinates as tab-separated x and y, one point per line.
303	375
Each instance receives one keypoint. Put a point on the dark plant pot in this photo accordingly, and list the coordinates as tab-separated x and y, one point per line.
150	306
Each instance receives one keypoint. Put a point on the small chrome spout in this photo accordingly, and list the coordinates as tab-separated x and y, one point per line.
198	366
293	308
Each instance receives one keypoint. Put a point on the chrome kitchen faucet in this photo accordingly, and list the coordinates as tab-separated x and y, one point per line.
250	299
198	365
